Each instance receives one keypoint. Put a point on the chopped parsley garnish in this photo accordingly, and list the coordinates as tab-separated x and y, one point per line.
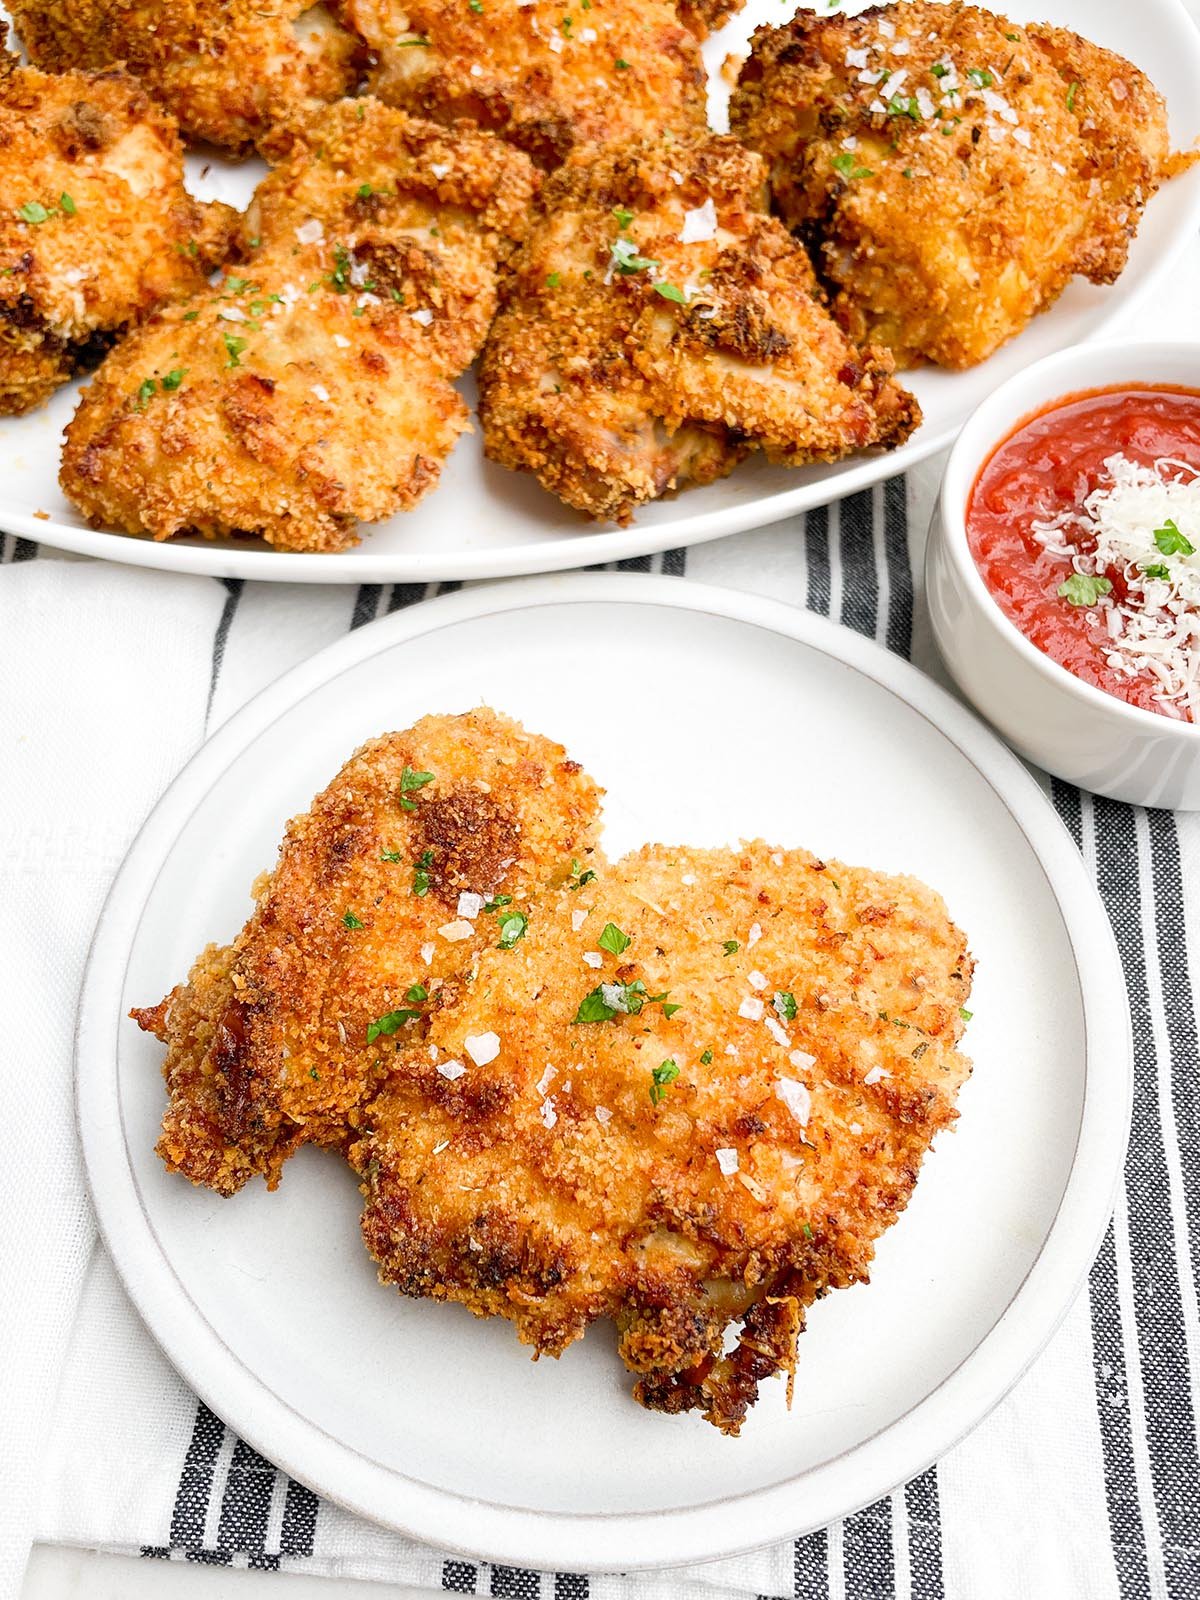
512	929
594	1008
553	280
390	855
1082	589
66	205
1171	542
1015	37
624	217
352	921
34	212
730	946
233	349
365	191
785	1004
980	77
420	883
190	316
416	994
1156	569
706	1059
938	70
1071	93
236	285
146	392
313	1073
621	64
965	1014
409	781
475	5
627	999
613	940
390	1022
580	878
808	1233
497	901
670	1009
173	379
904	105
845	163
670	292
660	1077
626	260
339	278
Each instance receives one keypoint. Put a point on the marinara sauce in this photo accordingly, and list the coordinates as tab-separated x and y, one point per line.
1048	465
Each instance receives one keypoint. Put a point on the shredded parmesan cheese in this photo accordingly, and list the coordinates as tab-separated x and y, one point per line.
1154	629
796	1098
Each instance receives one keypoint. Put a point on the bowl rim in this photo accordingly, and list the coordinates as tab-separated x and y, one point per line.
1083	369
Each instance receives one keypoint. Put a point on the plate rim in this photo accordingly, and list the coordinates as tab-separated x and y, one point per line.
631	1541
564	549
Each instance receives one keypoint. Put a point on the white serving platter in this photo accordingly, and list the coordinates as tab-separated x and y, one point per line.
483	521
755	719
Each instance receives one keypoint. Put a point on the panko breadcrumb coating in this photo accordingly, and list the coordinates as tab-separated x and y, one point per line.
952	170
96	228
229	70
657	326
693	1094
421	853
311	389
547	76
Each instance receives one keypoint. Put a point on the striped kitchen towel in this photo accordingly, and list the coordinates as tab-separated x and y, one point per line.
1084	1484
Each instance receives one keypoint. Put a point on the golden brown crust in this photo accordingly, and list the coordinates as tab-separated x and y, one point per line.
227	69
96	228
267	1041
625	362
311	389
706	16
559	1182
951	201
546	77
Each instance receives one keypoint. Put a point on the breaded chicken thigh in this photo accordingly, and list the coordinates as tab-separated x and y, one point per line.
96	228
693	1094
657	326
421	853
311	389
951	170
545	75
229	70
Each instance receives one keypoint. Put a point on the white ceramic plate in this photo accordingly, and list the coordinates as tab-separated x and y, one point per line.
483	521
708	716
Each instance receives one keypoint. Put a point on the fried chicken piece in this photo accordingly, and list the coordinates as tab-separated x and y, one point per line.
545	76
229	70
693	1094
96	229
419	854
657	326
312	389
952	170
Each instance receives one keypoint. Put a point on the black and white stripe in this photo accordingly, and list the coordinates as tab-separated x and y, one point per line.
13	548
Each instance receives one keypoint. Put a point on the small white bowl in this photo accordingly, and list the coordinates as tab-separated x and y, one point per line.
1046	713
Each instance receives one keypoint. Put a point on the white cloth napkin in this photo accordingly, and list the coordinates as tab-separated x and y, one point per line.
1084	1482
